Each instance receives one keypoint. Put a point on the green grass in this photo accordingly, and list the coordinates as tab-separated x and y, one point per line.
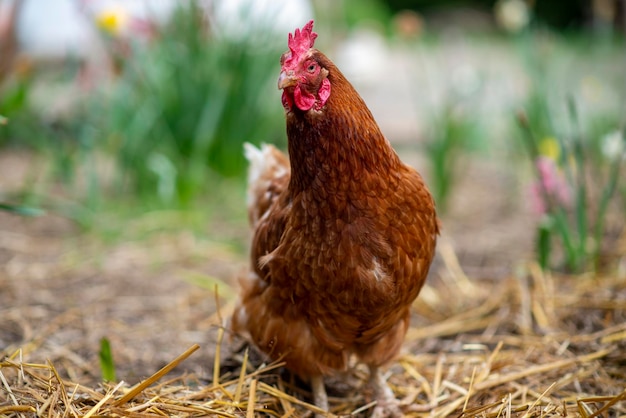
107	365
185	104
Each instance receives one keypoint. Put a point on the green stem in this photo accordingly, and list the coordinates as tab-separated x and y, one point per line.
581	187
607	193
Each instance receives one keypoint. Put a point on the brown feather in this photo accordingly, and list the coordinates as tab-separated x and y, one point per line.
340	253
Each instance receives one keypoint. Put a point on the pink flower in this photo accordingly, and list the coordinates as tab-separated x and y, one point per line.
550	189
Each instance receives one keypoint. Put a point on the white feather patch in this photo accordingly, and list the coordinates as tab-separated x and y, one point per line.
379	272
263	169
257	159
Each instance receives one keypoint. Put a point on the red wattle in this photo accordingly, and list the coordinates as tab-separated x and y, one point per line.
303	99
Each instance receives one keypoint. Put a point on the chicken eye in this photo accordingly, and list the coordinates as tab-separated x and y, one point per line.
311	68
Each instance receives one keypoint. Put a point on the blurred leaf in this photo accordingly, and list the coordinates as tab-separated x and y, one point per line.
544	243
22	210
452	136
15	96
107	366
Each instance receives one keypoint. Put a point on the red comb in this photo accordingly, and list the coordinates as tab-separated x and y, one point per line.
301	41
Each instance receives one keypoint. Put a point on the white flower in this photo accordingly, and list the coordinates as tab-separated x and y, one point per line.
613	145
512	15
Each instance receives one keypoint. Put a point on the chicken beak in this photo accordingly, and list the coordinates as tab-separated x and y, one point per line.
286	79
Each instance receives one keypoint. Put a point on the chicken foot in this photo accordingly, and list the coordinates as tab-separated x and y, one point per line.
319	394
386	402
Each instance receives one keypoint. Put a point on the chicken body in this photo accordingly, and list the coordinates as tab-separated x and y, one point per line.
344	233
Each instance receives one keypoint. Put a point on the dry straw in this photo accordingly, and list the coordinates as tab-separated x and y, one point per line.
533	345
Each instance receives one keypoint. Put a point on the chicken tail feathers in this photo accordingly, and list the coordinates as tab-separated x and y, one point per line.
268	176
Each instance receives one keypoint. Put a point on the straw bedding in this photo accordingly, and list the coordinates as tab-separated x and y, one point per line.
532	345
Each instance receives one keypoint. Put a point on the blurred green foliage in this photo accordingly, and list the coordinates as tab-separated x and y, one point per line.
170	126
27	125
575	194
565	126
354	12
454	133
17	116
107	365
184	105
21	209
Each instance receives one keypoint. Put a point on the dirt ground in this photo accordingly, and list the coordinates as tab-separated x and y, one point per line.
61	294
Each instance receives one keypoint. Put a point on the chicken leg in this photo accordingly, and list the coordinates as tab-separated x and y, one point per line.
386	402
319	394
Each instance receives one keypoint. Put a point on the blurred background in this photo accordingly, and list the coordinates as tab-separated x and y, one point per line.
122	178
121	119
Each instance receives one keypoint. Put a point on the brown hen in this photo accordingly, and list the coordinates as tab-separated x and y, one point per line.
344	232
